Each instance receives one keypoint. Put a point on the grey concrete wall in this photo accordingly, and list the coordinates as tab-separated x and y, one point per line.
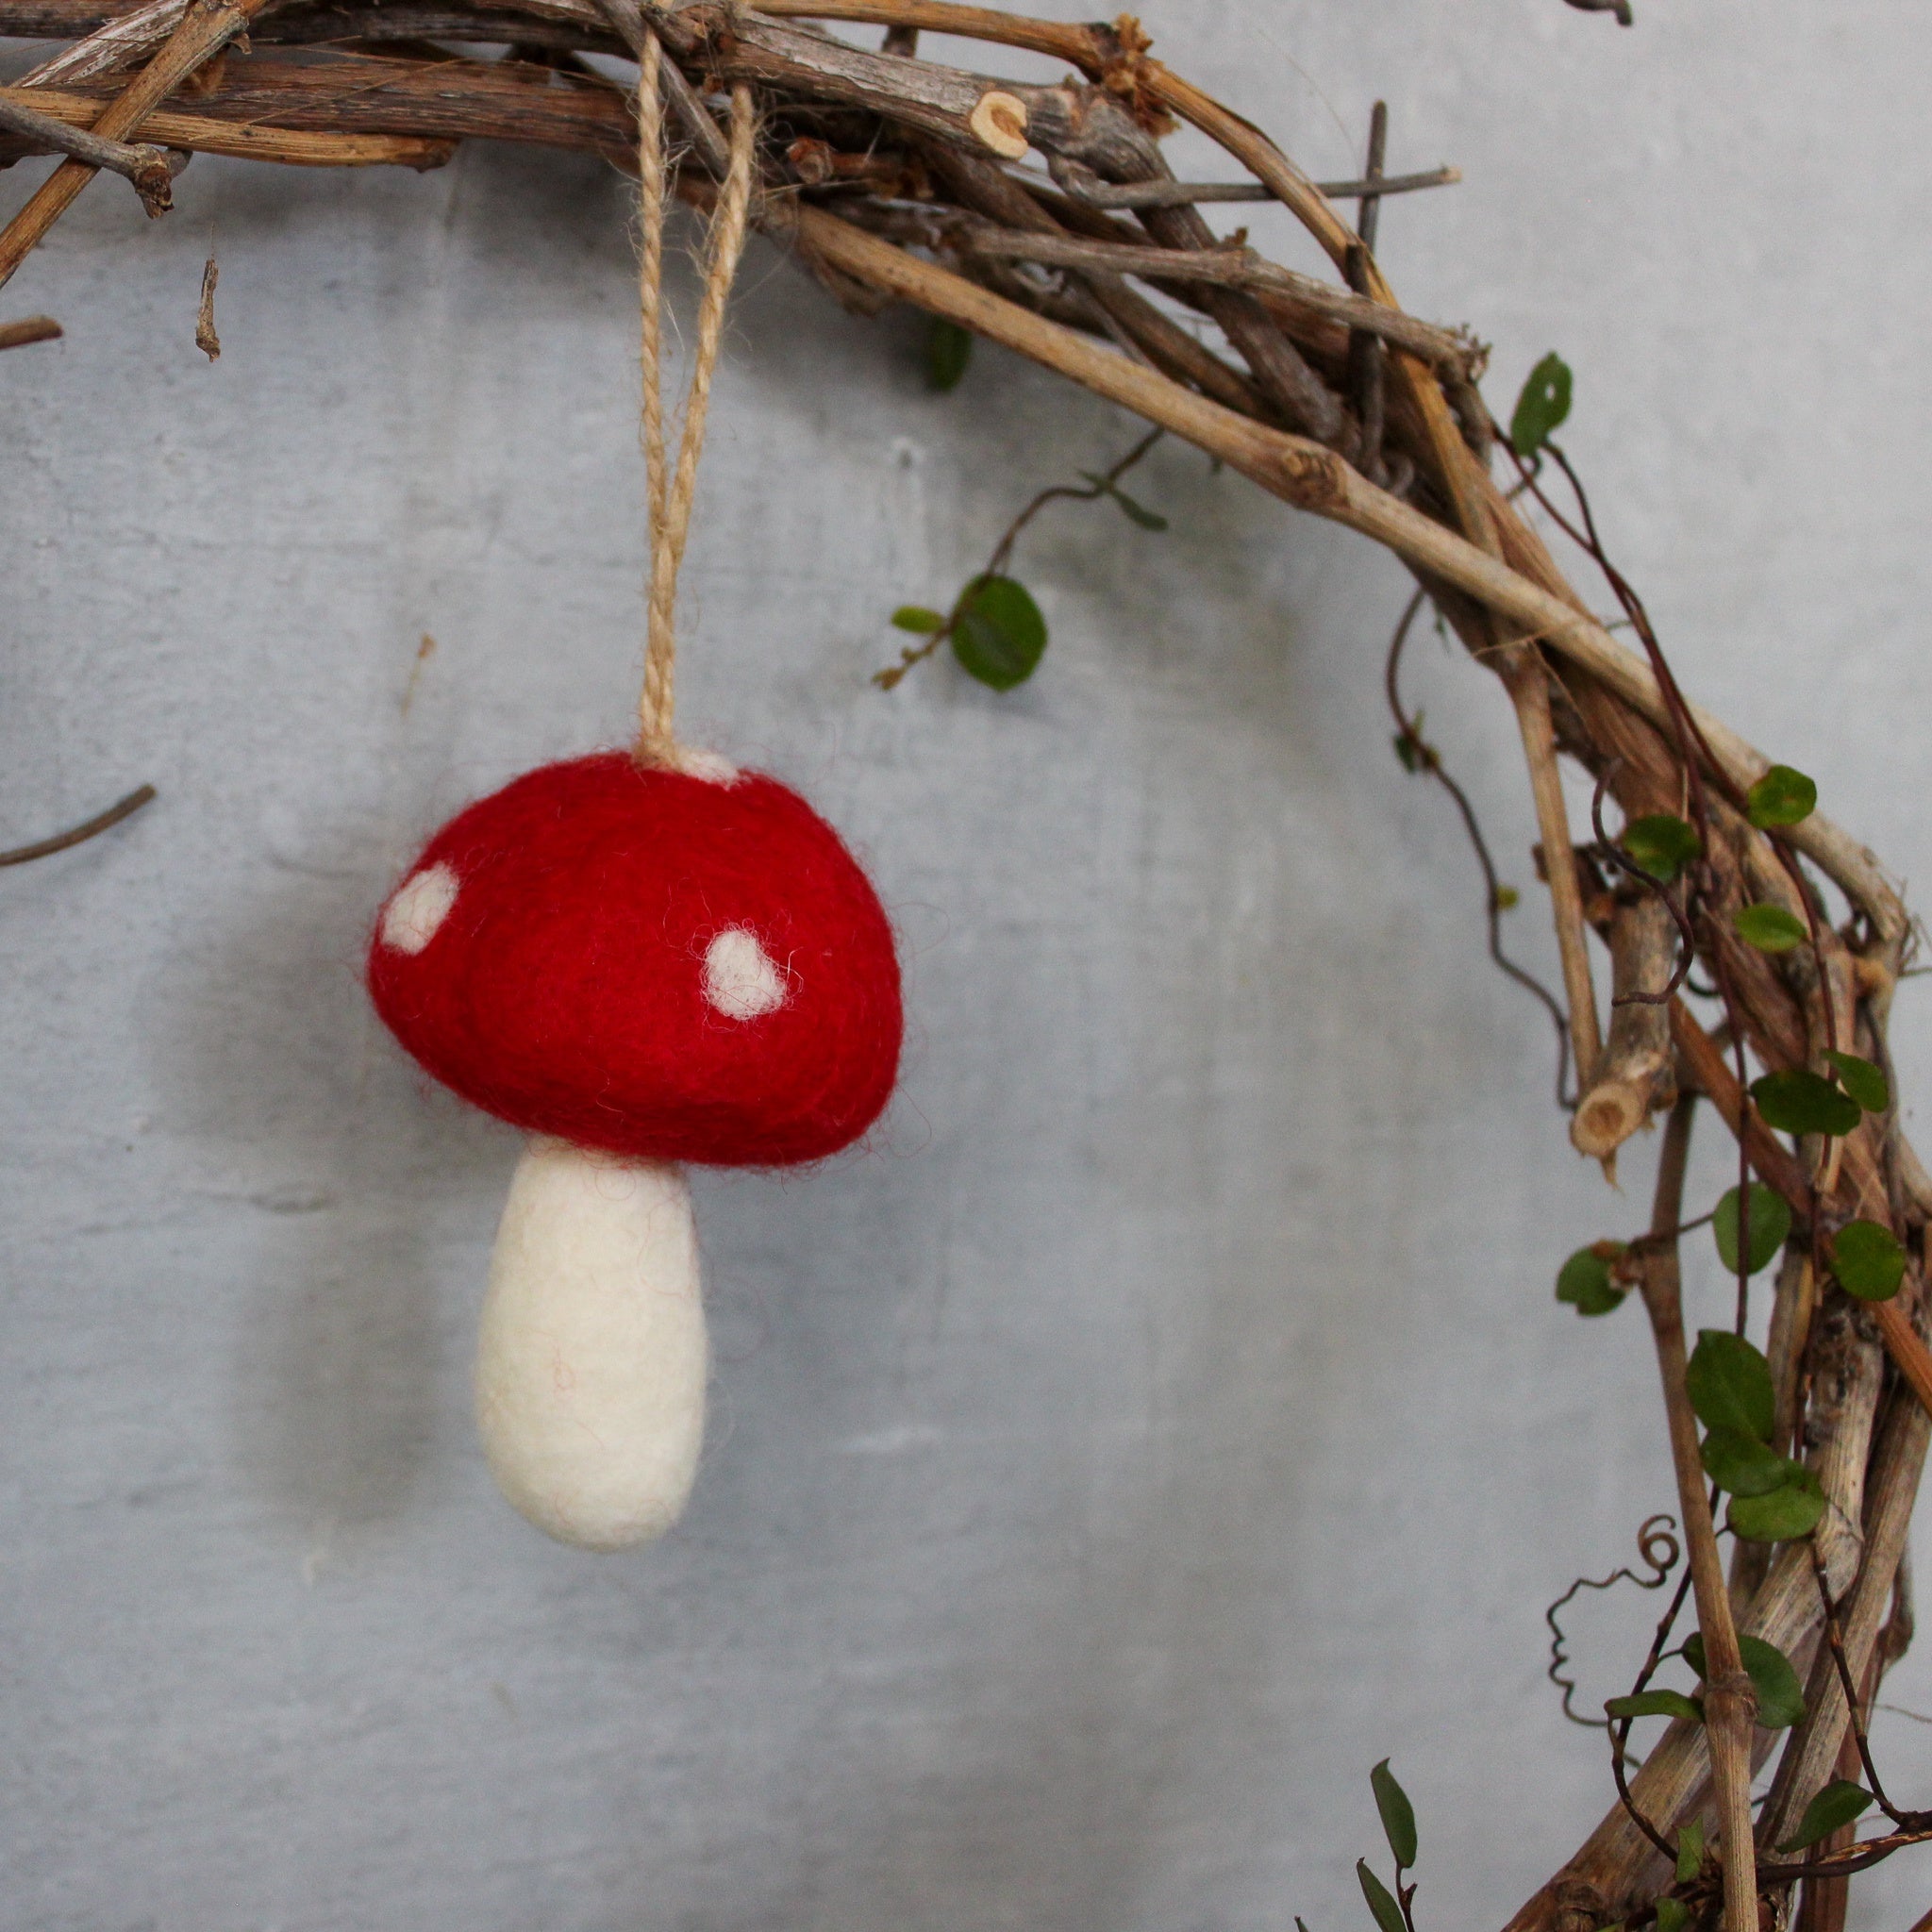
1168	1417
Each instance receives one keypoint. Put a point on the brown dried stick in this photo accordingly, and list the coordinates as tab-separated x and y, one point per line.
247	141
145	167
1527	682
689	111
1133	195
986	188
1897	1466
1730	1701
1633	1077
30	328
110	43
1229	268
207	28
79	834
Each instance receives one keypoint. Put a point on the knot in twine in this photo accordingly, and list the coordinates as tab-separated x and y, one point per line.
668	498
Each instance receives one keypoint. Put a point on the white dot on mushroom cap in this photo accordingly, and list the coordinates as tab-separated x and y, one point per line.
713	767
418	908
740	979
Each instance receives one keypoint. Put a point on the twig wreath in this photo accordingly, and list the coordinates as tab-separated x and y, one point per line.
1753	945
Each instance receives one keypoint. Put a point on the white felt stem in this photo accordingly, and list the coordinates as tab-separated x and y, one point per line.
592	1363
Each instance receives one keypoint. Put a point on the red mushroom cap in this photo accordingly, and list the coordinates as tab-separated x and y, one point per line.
670	966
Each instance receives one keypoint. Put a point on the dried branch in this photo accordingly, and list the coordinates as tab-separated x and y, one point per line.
80	834
1135	194
1897	1467
145	167
1634	1078
206	26
1231	268
1730	1703
31	328
250	142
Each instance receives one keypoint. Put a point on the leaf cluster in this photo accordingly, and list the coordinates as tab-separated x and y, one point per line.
1391	1909
1773	1498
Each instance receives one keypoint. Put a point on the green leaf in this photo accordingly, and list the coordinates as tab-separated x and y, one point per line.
1657	1704
1868	1260
1134	512
1661	845
1781	797
1690	1850
1584	1280
1802	1101
1541	406
1780	1697
1783	1514
948	350
1398	1814
1863	1081
1770	1224
1387	1913
1742	1465
998	633
1729	1384
1770	928
916	616
1834	1807
1672	1915
1507	898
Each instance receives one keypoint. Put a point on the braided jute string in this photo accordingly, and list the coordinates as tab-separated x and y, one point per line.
669	500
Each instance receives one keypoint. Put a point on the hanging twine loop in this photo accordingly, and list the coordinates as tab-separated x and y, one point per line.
669	495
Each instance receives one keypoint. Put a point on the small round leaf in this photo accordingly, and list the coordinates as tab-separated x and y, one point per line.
1541	406
1863	1081
1781	797
1868	1260
1584	1280
1729	1384
1801	1102
1661	845
1785	1513
1770	928
1838	1805
1780	1696
1741	1464
1770	1224
998	633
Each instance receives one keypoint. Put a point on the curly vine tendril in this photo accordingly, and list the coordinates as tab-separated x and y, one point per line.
1658	1550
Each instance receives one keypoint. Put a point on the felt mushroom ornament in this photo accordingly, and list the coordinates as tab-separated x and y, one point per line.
643	959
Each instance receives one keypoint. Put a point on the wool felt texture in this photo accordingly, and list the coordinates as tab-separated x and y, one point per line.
592	1361
662	963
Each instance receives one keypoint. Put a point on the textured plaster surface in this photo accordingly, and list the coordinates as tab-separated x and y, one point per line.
1167	1416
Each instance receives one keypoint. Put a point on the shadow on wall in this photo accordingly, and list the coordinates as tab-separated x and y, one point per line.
276	1067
